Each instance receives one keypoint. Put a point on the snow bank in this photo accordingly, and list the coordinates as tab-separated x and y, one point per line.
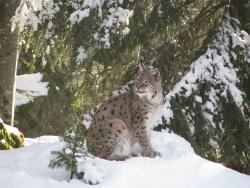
178	167
29	86
41	140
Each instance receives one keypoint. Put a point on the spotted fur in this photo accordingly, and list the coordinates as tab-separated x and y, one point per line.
124	120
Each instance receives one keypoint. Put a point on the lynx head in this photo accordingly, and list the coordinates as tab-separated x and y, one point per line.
148	84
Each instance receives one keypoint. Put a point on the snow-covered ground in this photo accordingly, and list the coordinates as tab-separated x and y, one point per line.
178	167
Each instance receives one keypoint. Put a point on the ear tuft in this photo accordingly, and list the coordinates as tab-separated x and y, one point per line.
156	76
141	67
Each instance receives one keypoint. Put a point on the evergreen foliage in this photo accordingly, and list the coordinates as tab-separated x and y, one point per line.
87	59
217	125
9	139
156	28
74	150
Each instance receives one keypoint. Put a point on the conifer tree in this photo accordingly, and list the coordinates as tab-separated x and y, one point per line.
74	149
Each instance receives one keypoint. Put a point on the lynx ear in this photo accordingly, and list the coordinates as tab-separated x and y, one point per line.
156	75
141	67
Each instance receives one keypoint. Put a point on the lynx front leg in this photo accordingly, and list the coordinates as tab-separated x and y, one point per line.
142	137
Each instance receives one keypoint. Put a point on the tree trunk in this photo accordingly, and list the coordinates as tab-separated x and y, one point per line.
8	59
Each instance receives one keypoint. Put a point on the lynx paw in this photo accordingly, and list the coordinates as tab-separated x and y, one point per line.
150	153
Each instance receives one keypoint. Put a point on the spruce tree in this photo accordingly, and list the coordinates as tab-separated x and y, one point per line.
74	150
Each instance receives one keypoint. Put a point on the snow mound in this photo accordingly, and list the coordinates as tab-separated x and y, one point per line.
178	167
41	140
29	86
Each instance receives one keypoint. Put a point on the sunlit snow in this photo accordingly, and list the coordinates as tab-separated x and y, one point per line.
178	167
29	86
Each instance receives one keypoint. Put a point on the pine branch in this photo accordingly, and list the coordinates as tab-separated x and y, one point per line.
186	3
206	12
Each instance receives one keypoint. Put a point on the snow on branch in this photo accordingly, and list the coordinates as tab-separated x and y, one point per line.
111	17
114	20
31	13
215	67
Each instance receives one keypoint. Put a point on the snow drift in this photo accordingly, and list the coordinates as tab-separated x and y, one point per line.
178	167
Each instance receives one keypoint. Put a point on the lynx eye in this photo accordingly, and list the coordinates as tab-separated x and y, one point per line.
146	82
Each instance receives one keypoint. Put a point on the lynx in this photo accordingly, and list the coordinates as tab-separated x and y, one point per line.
124	121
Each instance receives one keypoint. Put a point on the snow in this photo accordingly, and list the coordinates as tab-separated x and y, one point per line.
41	140
78	15
47	50
32	13
178	166
87	120
215	68
81	55
198	99
10	129
25	17
167	112
113	18
29	86
213	143
117	17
